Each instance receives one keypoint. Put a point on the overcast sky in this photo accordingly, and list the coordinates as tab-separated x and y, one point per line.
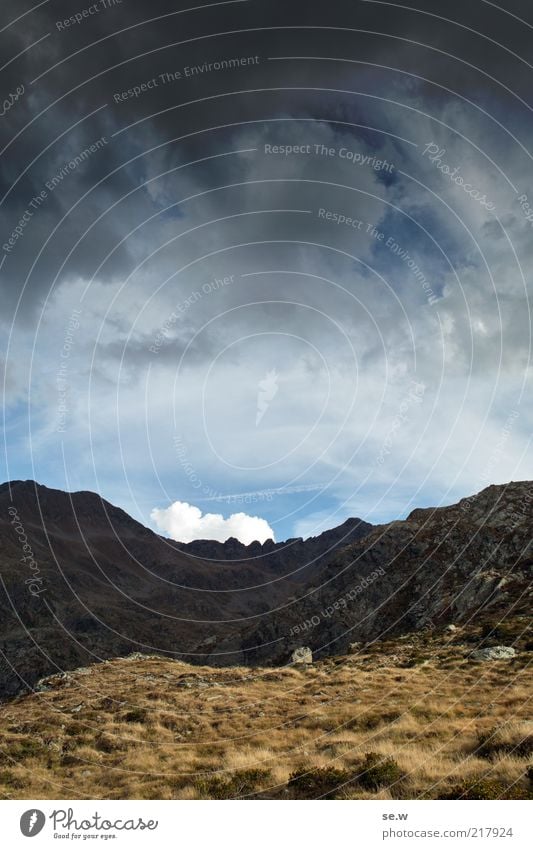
266	265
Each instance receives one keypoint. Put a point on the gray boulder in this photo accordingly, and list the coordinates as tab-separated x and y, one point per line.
302	655
494	653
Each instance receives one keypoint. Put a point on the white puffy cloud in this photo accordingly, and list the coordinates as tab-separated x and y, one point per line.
185	523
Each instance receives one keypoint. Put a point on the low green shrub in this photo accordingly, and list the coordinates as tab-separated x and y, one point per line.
10	781
492	745
18	750
486	789
108	743
135	715
377	772
318	783
244	782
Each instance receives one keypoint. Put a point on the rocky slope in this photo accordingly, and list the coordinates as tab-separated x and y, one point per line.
467	562
96	584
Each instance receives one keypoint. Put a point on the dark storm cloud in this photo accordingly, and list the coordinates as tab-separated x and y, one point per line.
127	44
85	72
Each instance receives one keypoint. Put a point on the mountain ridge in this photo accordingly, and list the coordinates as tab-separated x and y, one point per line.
110	586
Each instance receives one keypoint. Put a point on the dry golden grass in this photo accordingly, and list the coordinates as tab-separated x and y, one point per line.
154	728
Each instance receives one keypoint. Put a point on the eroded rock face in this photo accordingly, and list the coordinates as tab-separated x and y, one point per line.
494	653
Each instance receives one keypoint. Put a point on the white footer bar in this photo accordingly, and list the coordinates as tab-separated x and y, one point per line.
267	824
